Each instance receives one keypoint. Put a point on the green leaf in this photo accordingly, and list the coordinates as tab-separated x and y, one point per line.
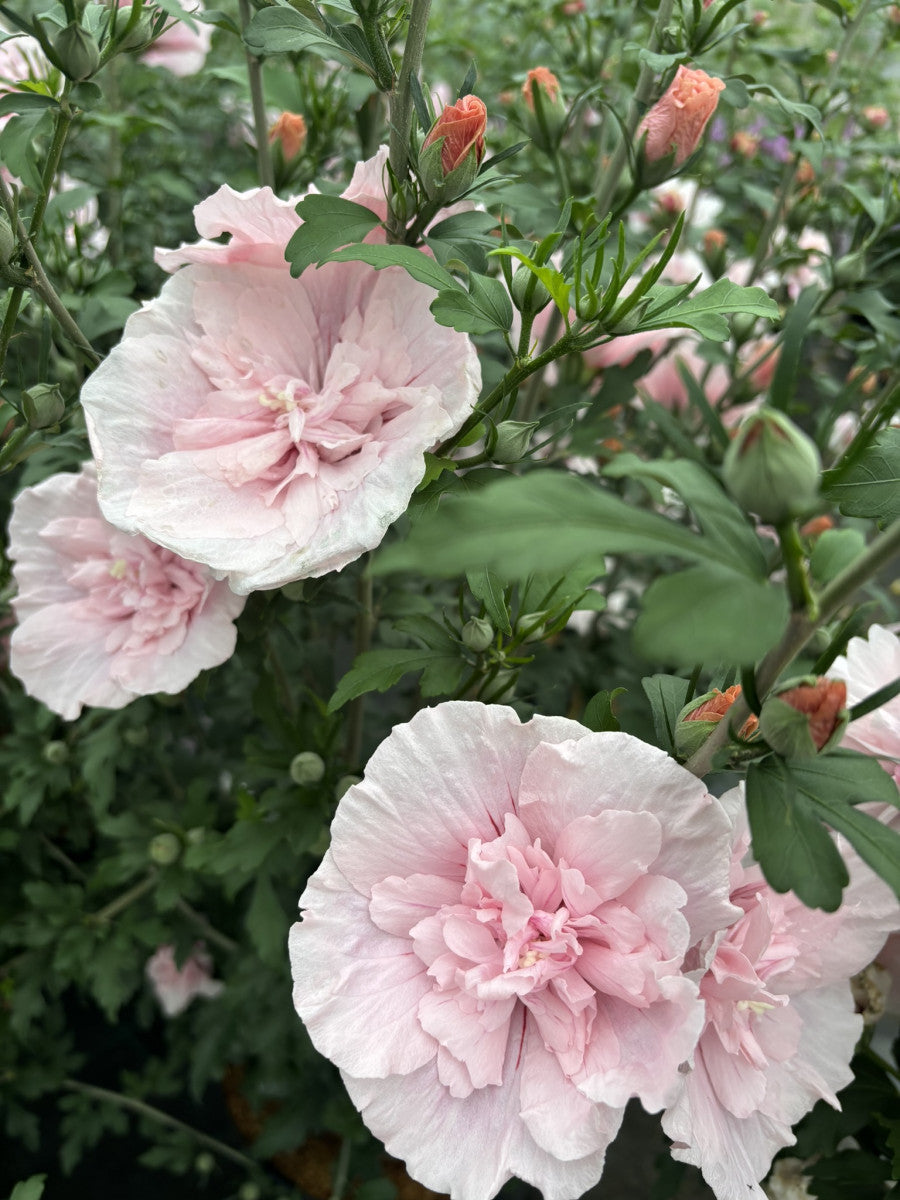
790	843
377	670
792	107
328	222
705	312
25	102
282	30
796	326
267	922
598	712
667	695
414	262
30	1189
844	776
543	522
710	613
488	587
870	486
485	307
18	152
834	550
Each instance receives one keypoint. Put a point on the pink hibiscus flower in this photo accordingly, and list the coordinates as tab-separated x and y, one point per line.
492	947
103	616
780	1022
282	421
870	664
176	987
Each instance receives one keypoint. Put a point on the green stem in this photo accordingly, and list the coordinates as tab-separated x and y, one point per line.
608	177
141	1109
800	629
401	106
795	565
773	219
106	914
209	931
264	165
844	48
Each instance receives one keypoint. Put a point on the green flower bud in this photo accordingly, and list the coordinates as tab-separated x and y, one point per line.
136	737
249	1191
700	716
137	37
55	753
772	468
540	297
77	51
805	717
7	240
164	849
43	406
512	440
502	687
204	1163
344	784
534	623
849	270
477	634
306	767
195	835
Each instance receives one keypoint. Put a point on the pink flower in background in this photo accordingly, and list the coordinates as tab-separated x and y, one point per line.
282	422
780	1021
104	617
180	49
492	948
677	120
870	664
664	384
176	987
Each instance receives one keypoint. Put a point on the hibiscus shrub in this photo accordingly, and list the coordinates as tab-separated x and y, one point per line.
463	499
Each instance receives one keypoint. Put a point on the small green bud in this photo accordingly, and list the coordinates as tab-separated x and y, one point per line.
164	849
540	297
512	441
534	623
77	51
136	737
7	240
772	468
55	753
806	717
849	270
502	687
306	767
137	37
195	835
204	1163
477	634
43	406
249	1191
344	784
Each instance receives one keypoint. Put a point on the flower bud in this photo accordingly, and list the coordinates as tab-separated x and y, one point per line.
164	849
546	112
289	132
849	269
345	783
204	1163
7	240
772	468
700	716
249	1191
807	716
501	688
876	116
513	440
675	123
306	767
139	36
55	753
477	634
539	298
77	51
43	406
453	149
533	623
714	246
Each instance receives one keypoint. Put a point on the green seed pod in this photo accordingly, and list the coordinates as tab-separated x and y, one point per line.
477	634
772	468
306	767
55	753
164	849
513	440
78	53
43	406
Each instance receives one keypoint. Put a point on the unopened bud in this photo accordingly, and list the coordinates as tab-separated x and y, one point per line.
55	753
345	783
772	468
195	835
849	269
502	687
453	149
140	34
714	244
77	51
547	114
137	737
249	1191
289	132
513	440
531	625
477	634
7	240
876	116
539	297
700	716
43	405
306	767
204	1163
164	849
806	717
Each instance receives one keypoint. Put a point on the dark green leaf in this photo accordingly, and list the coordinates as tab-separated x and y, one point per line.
328	222
796	327
18	152
282	30
667	695
485	307
598	712
487	586
414	262
377	670
706	311
834	550
790	843
29	1189
267	921
870	486
25	102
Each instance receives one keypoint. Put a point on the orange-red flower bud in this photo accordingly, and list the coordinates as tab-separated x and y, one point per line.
714	242
290	132
715	709
822	703
745	144
677	120
817	526
462	127
876	116
544	79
